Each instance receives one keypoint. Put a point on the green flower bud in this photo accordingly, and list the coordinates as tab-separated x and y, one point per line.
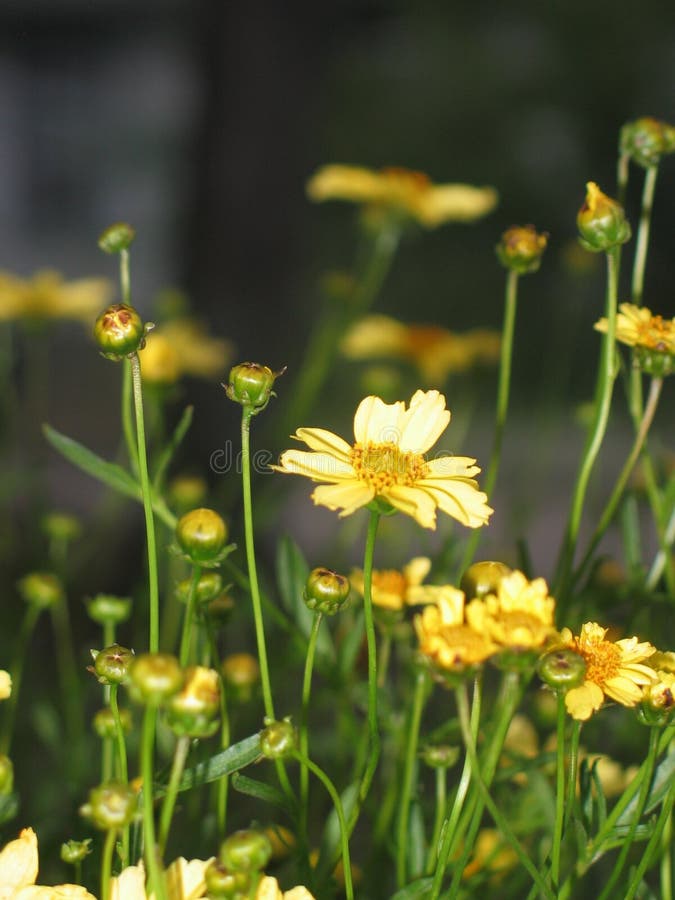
6	775
209	586
116	237
220	882
119	331
656	363
279	739
601	221
482	578
241	675
246	851
185	492
104	722
251	385
441	756
75	851
521	248
61	527
155	677
194	709
220	608
106	609
562	669
646	140
112	664
42	589
201	534
111	805
326	591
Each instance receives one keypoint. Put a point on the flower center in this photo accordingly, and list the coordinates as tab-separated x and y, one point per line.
391	581
603	661
383	465
655	333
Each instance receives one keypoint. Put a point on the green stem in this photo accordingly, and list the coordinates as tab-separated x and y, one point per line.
661	558
150	849
667	860
642	237
177	766
503	390
439	817
122	768
223	782
128	430
559	789
71	694
570	803
16	672
188	621
304	715
622	172
653	844
409	771
603	400
106	862
153	578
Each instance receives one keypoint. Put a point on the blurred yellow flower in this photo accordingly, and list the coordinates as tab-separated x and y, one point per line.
491	854
434	351
519	616
662	661
19	869
661	694
184	881
182	347
445	637
268	889
637	327
46	295
613	669
394	589
403	191
5	685
387	461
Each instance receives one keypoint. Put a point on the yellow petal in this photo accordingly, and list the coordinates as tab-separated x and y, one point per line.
413	502
417	570
347	496
452	467
375	336
324	441
456	203
185	880
58	892
583	701
5	684
129	884
18	864
337	182
378	422
298	893
461	500
317	466
268	889
424	422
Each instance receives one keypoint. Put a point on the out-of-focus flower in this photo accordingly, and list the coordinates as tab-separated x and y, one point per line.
19	869
521	737
387	462
662	661
521	248
491	855
646	140
661	694
636	326
184	881
613	669
434	351
519	616
403	192
446	639
394	589
268	889
182	347
5	684
45	295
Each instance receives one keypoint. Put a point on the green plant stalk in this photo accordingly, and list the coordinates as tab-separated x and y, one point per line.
122	768
106	862
503	391
439	816
384	657
622	174
179	757
188	621
71	694
152	863
603	400
661	559
128	429
16	673
337	803
303	732
652	844
622	480
421	683
573	769
666	872
559	789
153	577
222	784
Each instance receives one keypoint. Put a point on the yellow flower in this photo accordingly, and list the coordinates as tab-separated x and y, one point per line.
184	881
637	327
403	191
182	347
491	854
5	685
445	637
434	351
387	461
268	889
661	694
519	616
47	296
19	869
613	669
393	589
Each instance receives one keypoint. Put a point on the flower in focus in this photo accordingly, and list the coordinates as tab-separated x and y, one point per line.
182	347
613	669
184	881
5	685
445	637
387	462
637	327
19	869
518	616
268	889
46	295
402	191
434	351
394	589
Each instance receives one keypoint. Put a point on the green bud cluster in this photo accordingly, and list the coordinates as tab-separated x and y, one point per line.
117	237
656	363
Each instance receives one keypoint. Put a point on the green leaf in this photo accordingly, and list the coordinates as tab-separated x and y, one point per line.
417	842
229	761
173	444
661	782
9	807
109	473
416	890
258	789
330	839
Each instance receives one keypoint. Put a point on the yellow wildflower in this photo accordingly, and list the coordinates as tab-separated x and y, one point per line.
434	351
394	589
491	854
386	461
19	869
519	616
661	694
403	191
182	347
184	881
445	637
613	669
268	889
5	685
47	296
636	326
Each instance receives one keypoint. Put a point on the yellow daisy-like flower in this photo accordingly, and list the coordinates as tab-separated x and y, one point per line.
182	347
434	351
491	855
47	296
445	637
184	881
519	616
403	191
19	869
387	461
613	669
394	589
5	685
636	326
268	889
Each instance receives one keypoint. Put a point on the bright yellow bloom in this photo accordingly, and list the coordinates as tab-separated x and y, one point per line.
445	637
393	589
47	296
268	889
182	347
403	191
184	881
613	669
434	351
387	461
5	685
637	327
519	616
19	869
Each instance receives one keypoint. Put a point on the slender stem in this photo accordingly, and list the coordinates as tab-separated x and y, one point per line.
122	769
106	862
642	237
16	672
661	558
441	802
559	789
177	766
153	578
223	782
125	280
384	657
150	849
304	736
128	429
667	860
71	694
409	771
622	172
653	843
503	390
603	399
188	621
570	803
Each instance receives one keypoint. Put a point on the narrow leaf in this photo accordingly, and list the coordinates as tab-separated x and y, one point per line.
236	757
109	473
173	444
258	789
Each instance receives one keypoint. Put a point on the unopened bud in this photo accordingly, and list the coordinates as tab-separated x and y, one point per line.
201	534
251	385
116	237
107	609
42	589
247	850
483	578
521	248
112	664
61	526
119	331
241	674
326	591
601	221
656	363
105	725
155	677
278	739
73	852
646	140
440	756
111	805
562	669
209	586
222	883
194	709
186	492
